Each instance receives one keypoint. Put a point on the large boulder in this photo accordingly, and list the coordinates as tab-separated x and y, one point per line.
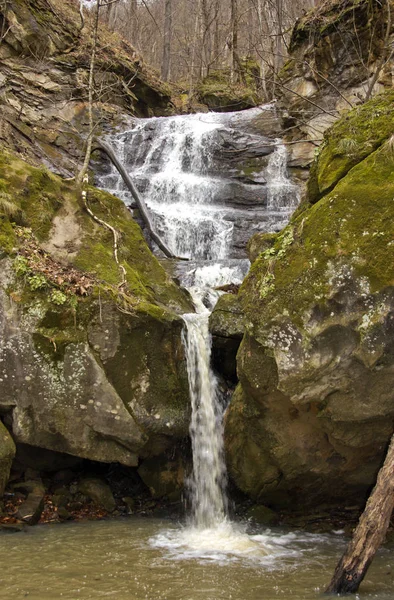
312	415
91	365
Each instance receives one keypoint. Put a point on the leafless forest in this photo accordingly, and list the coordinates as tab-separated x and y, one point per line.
187	40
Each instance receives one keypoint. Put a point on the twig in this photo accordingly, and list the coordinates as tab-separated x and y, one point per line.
108	226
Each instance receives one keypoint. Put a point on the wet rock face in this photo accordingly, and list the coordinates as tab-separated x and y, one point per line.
312	414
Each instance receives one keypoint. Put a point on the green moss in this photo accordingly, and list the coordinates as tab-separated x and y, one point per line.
39	195
349	141
36	193
350	229
218	93
7	236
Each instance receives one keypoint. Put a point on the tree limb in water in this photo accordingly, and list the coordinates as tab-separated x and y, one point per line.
106	148
369	533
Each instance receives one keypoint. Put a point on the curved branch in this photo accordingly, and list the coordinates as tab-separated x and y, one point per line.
106	148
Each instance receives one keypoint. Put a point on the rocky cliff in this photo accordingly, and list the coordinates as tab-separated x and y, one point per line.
45	54
340	55
90	365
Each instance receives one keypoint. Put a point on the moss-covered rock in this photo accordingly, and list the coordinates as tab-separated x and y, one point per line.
219	94
349	141
260	242
91	365
316	399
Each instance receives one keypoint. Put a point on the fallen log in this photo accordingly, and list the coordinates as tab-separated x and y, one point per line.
369	533
106	148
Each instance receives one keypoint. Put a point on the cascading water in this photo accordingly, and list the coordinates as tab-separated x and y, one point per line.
207	485
205	214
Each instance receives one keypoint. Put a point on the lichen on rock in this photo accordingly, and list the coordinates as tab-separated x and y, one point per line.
315	400
89	366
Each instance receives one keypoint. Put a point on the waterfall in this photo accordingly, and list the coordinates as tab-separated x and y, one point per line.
208	482
205	209
282	193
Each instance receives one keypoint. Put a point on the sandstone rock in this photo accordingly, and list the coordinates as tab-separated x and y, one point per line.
226	325
31	509
7	453
99	491
163	477
334	52
311	417
97	375
130	504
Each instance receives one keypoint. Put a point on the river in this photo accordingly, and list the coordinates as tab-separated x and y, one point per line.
132	560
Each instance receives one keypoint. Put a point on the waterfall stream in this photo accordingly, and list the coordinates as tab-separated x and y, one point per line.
205	210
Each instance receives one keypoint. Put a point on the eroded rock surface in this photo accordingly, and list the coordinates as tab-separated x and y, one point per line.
44	72
90	365
312	414
339	54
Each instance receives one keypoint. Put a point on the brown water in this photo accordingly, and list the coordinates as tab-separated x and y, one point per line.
138	559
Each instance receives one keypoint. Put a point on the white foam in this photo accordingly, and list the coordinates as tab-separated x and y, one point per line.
228	542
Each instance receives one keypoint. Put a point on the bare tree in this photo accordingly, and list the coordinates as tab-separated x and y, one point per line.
166	61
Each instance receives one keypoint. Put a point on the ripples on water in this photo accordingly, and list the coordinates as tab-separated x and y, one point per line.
139	559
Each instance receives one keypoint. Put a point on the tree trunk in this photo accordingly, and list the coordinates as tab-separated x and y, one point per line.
106	148
166	62
370	532
89	140
133	21
233	37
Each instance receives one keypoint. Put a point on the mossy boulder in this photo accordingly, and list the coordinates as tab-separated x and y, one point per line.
7	453
92	365
349	141
221	95
98	491
311	418
260	242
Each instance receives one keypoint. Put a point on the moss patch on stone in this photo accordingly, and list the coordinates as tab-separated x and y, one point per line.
349	231
349	141
218	93
38	196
